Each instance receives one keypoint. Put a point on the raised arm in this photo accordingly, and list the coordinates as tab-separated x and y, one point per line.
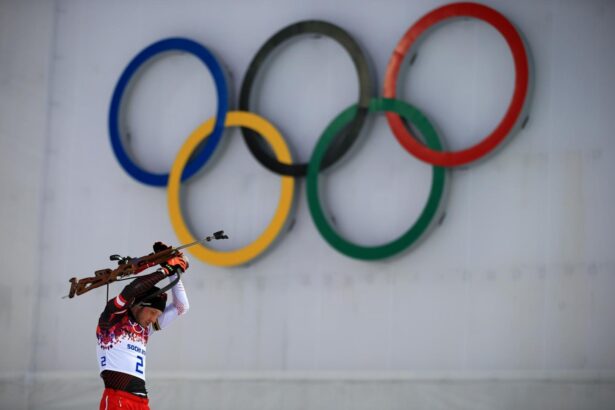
140	286
126	298
179	306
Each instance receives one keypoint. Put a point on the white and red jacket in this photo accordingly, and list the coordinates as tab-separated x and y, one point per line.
122	341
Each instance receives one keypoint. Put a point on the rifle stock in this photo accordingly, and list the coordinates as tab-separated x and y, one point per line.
130	266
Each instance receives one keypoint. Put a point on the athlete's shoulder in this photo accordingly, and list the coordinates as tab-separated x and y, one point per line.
115	309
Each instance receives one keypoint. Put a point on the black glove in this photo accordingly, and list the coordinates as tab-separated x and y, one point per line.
159	247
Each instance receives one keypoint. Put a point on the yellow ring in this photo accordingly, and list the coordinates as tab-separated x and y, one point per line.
252	250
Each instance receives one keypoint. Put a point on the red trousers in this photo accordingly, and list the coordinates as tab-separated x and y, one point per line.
117	399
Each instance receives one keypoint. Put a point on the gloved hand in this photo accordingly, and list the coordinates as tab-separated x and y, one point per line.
177	261
159	247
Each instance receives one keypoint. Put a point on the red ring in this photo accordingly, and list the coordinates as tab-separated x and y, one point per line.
512	37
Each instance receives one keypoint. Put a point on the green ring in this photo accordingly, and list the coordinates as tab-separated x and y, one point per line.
430	211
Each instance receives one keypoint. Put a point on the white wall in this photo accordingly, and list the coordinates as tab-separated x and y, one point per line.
509	299
26	46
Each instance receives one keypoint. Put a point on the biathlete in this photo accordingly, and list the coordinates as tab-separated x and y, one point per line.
124	327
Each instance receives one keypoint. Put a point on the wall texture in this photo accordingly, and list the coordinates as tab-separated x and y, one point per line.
506	304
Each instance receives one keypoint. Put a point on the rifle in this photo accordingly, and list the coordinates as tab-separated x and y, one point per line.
128	266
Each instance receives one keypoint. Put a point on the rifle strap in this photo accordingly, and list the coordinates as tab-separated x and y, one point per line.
178	272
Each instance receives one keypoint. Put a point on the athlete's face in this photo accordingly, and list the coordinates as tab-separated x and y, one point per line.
146	315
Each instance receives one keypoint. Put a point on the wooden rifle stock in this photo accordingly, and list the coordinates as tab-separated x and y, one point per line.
128	266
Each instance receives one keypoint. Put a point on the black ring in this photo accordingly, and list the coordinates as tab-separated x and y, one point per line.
346	139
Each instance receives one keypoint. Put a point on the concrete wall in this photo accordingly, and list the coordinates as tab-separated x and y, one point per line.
507	302
26	52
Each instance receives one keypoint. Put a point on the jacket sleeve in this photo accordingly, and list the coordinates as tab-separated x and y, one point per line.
122	302
178	307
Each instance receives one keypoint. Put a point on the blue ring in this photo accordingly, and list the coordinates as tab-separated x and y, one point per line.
205	153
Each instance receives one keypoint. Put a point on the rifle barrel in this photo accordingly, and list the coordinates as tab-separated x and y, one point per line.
206	239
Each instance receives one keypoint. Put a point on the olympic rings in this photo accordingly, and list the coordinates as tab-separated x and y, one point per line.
427	216
337	138
170	44
511	119
251	251
365	92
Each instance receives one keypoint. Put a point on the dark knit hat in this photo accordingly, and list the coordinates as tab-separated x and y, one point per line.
157	302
